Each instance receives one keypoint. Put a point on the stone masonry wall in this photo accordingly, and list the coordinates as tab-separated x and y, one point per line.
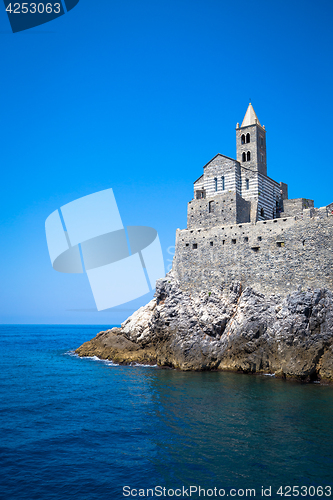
254	147
263	190
219	167
218	209
212	210
273	256
243	210
295	207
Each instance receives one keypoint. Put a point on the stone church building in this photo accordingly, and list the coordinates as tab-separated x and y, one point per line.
239	191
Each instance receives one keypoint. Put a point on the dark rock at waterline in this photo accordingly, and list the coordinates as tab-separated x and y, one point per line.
238	330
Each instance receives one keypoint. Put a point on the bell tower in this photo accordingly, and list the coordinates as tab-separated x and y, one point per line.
251	143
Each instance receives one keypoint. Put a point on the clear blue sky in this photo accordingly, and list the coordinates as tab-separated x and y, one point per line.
138	96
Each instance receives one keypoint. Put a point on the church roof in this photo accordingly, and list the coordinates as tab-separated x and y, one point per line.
218	154
250	117
199	178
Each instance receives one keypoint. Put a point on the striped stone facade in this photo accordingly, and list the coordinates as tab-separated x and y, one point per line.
246	177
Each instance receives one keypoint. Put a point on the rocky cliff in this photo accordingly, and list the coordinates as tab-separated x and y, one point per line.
241	330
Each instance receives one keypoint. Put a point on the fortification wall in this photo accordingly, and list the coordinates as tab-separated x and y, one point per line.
218	209
273	256
295	207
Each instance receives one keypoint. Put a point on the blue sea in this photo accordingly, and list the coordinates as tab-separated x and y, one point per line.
84	429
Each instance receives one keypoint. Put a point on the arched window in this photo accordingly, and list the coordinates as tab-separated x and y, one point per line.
244	157
215	180
247	184
262	213
243	139
223	183
248	138
248	156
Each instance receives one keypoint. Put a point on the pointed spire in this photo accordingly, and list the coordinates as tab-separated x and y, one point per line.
250	117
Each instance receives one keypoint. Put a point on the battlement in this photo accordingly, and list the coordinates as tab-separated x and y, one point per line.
251	230
271	256
296	206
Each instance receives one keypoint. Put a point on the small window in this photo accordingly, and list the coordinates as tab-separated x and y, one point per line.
244	157
211	207
248	156
233	241
223	242
243	139
255	249
246	239
280	244
248	138
211	243
261	142
223	183
262	158
262	213
195	245
215	181
247	182
200	194
187	244
259	238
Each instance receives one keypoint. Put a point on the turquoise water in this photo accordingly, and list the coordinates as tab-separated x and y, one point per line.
75	428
